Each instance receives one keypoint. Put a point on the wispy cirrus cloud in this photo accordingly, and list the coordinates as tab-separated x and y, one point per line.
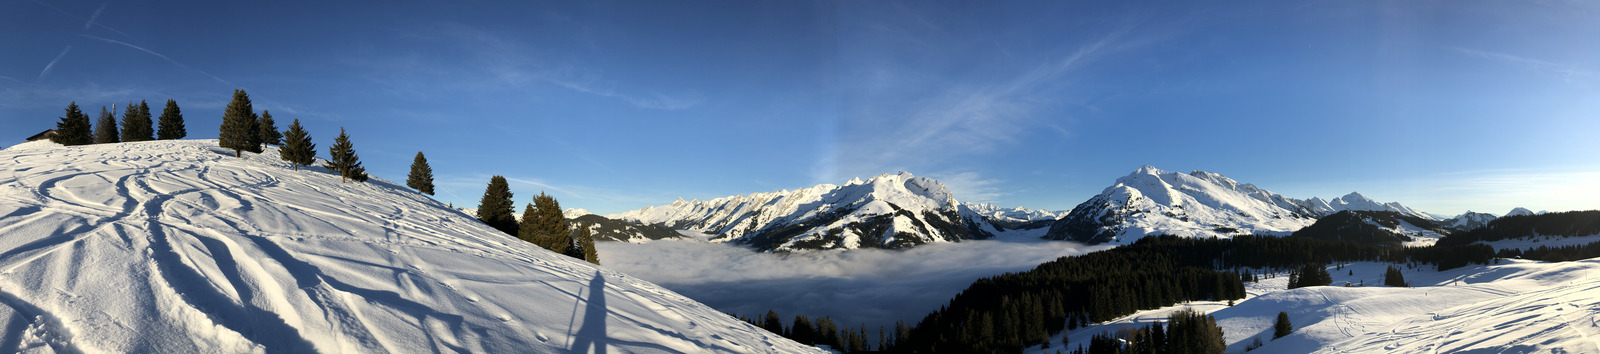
1566	71
500	60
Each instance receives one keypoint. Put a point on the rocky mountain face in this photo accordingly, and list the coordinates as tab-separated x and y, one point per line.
1150	201
887	211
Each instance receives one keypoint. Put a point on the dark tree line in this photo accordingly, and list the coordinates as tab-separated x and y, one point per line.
822	331
1186	331
1567	224
75	128
1554	254
1393	277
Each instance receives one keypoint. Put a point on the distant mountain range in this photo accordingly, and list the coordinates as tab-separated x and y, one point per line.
902	210
887	211
1150	201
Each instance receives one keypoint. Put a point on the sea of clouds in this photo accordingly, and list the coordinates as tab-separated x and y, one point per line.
868	287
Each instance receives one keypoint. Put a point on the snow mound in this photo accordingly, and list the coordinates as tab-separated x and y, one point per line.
177	246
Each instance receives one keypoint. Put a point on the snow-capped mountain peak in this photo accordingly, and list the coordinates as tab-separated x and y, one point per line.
1201	204
1519	211
1150	201
886	211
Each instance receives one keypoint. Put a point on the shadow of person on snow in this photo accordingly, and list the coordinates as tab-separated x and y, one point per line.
593	332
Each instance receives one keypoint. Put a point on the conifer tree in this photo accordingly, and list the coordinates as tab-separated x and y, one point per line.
585	242
1393	277
495	209
342	159
239	126
136	124
171	125
297	146
772	323
74	128
1281	327
547	227
421	177
526	223
269	130
105	130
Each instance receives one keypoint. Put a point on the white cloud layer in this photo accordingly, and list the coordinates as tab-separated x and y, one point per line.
855	287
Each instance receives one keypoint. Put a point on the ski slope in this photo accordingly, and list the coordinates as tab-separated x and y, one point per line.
178	247
1516	306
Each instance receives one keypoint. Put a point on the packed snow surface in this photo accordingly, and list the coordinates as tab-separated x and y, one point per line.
179	247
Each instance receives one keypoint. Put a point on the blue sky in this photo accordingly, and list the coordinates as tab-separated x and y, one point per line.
1442	105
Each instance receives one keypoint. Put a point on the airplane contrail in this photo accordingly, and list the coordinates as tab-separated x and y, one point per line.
52	63
96	15
88	22
158	55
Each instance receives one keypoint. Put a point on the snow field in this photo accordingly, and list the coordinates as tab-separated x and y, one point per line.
1515	306
177	246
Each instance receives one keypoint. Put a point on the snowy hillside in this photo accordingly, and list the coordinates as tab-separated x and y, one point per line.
1386	228
176	246
1513	307
887	211
1150	201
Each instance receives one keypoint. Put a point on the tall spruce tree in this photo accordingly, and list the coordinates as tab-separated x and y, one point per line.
496	207
105	130
136	124
239	126
171	125
343	160
269	130
585	240
297	146
74	128
1281	327
525	223
548	227
421	177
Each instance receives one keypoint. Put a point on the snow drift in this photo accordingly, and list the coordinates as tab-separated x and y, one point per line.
176	246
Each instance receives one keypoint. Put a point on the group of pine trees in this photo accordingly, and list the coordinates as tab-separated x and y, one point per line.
242	130
824	331
1393	277
75	128
1311	274
542	222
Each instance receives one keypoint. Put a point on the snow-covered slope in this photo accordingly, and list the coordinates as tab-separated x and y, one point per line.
1199	204
1150	201
887	211
1514	307
178	247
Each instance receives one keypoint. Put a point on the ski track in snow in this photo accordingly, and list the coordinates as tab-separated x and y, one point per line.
177	246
